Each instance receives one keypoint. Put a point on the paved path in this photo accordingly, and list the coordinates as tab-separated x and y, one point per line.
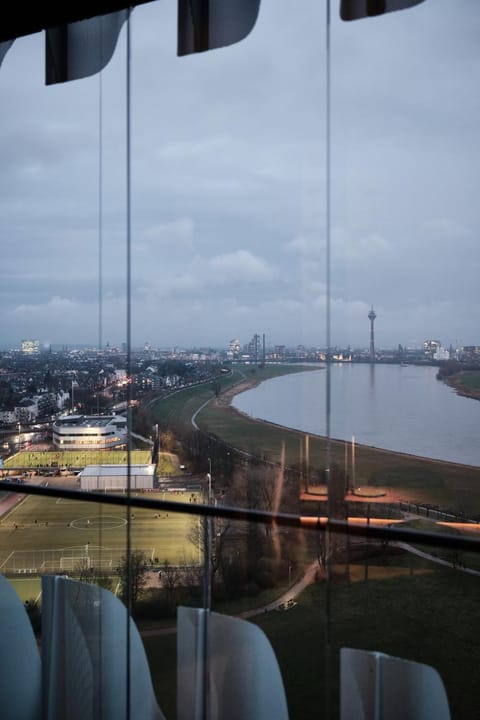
436	559
308	578
194	416
293	592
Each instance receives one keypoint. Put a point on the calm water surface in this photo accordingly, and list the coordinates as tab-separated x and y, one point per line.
402	408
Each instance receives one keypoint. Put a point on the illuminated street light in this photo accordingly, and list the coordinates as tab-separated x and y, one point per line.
209	478
208	529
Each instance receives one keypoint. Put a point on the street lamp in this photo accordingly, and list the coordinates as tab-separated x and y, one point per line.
209	478
353	463
207	587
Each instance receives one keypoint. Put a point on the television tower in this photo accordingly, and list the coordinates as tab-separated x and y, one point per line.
371	317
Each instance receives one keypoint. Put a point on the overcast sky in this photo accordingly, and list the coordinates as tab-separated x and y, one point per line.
228	184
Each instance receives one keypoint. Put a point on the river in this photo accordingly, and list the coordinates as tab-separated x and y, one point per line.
395	407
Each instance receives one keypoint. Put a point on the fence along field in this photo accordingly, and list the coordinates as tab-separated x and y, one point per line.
43	535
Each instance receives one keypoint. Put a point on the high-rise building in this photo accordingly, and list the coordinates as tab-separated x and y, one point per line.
253	347
234	348
431	347
30	347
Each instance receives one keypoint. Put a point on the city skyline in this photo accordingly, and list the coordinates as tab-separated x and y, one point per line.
228	164
32	346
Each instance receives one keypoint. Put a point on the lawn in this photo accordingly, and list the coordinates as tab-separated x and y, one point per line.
178	408
430	617
466	383
48	535
27	588
75	458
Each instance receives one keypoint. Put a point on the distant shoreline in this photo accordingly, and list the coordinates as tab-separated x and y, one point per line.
250	383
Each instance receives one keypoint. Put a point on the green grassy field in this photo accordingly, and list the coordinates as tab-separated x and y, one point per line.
27	588
446	484
434	481
75	458
177	409
429	616
46	535
44	461
466	383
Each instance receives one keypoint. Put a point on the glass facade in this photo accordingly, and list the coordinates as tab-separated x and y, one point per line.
306	185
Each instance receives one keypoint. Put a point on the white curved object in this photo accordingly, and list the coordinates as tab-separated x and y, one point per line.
375	686
20	675
84	655
227	666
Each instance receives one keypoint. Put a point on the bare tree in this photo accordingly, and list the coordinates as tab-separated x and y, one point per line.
170	578
219	529
93	576
132	577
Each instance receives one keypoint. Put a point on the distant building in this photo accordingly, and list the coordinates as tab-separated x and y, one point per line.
115	477
121	377
441	354
253	348
89	432
234	349
431	347
27	411
470	353
30	347
7	417
62	399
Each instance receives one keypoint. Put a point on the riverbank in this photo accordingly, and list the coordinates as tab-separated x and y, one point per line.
228	396
465	383
438	482
249	383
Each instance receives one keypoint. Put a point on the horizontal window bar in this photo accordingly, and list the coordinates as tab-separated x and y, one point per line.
314	523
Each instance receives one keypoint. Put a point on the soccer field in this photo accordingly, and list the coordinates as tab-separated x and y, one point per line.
58	535
75	458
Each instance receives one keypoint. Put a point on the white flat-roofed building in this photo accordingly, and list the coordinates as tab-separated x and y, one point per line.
89	432
31	347
114	477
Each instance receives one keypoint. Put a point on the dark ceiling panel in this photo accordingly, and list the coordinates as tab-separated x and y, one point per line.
24	19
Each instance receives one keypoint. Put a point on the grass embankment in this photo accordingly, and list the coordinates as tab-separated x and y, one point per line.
177	409
412	478
466	383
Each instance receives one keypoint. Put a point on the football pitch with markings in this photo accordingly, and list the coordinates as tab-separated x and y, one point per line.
58	535
75	458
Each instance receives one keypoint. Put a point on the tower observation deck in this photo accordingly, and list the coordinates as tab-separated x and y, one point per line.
371	316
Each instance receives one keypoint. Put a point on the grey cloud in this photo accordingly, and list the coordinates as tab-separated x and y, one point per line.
228	183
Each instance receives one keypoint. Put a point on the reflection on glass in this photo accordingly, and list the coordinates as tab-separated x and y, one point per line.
255	290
